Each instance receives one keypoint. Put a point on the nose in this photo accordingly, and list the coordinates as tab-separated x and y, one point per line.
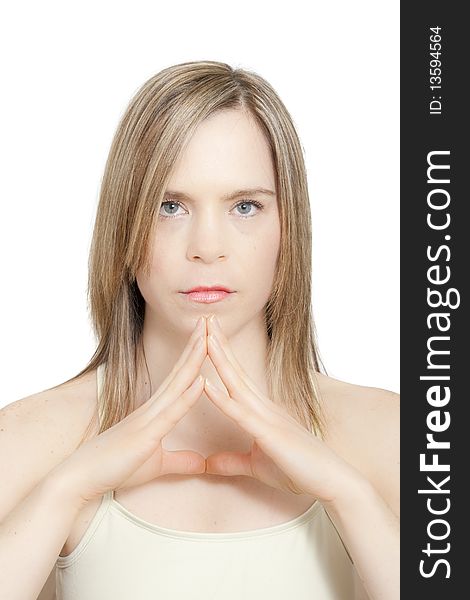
208	238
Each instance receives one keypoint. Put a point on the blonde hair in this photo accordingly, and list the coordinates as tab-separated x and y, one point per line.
155	127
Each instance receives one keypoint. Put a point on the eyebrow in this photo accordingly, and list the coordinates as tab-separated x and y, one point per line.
237	194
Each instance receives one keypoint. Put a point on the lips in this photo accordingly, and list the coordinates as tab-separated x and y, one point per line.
212	288
208	294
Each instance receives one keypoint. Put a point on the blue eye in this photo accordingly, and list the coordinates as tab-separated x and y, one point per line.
171	202
174	205
258	205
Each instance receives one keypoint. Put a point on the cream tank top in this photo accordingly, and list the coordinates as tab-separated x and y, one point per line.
121	556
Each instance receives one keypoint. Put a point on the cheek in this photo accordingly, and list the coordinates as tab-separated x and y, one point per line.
163	254
261	256
161	268
272	242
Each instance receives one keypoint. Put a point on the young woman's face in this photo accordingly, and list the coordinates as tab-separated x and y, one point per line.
204	237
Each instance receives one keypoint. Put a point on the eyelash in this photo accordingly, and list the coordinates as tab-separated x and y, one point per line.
254	202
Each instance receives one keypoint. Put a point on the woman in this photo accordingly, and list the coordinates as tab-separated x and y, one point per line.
274	478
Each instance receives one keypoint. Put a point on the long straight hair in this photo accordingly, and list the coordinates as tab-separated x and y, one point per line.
156	125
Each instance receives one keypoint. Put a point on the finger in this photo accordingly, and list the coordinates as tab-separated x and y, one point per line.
167	417
182	383
182	462
185	376
182	377
221	347
246	418
234	381
199	330
221	398
214	329
229	464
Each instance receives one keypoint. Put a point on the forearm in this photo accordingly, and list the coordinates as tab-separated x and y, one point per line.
32	536
371	533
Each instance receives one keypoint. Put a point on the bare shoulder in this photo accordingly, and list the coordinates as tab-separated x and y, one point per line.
39	431
60	411
363	427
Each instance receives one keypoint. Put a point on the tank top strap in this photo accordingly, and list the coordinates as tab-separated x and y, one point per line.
109	495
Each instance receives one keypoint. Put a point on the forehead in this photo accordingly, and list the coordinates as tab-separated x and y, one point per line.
227	151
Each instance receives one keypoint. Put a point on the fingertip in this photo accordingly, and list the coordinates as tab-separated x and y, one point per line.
196	383
200	467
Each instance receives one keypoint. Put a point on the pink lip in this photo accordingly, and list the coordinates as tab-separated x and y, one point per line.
207	288
207	296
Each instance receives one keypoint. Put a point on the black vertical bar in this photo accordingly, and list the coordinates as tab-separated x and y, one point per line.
434	262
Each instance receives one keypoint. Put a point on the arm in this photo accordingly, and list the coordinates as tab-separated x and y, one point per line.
366	516
371	533
357	482
48	591
32	536
37	433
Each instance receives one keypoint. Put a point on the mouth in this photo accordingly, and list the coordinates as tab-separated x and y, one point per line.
208	294
208	288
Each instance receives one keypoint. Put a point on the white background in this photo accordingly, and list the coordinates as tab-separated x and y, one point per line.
71	70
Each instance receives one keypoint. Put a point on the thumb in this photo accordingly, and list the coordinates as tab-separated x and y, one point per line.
182	462
229	463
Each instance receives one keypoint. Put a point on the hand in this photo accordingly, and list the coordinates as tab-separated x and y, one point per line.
284	454
130	452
